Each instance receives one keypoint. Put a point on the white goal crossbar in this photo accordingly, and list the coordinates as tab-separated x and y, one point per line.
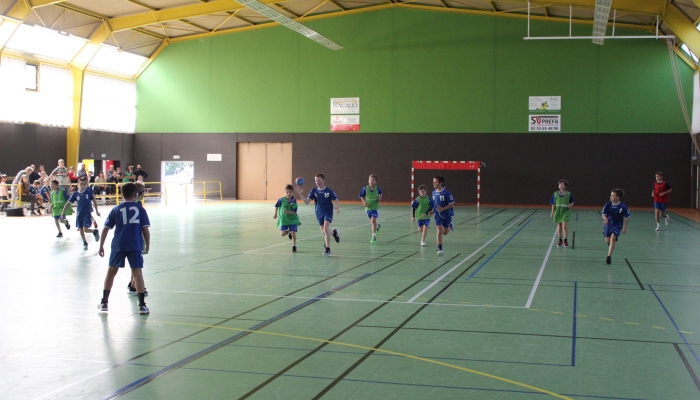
450	166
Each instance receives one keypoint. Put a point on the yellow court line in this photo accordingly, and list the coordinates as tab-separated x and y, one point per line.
472	371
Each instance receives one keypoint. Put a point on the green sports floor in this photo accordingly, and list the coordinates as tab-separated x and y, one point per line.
505	314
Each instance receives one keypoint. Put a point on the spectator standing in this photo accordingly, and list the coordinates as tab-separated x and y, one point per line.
61	175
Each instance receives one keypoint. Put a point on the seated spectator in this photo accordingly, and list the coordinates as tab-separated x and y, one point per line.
45	190
34	175
91	178
4	193
72	176
81	171
99	184
35	190
25	195
114	180
16	181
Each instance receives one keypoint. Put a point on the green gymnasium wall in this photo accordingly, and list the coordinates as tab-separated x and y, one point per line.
414	71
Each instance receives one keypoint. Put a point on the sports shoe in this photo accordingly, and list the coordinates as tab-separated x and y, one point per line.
94	223
84	245
566	244
452	227
336	236
378	226
327	252
560	243
440	253
60	235
96	234
608	260
422	244
67	224
289	235
668	219
294	249
102	306
374	239
144	310
658	228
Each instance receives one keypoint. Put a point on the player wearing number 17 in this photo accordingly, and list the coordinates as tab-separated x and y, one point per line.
443	202
130	222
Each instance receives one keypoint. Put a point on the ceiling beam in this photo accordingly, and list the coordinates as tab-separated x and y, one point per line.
18	13
117	24
85	55
683	28
42	3
650	7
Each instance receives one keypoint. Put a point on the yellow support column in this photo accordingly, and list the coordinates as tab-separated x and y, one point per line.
73	132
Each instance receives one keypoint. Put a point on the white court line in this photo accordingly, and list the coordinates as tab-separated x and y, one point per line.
299	240
74	383
435	282
539	275
334	299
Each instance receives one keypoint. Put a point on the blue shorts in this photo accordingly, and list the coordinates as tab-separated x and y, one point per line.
291	228
372	214
609	230
445	222
423	222
83	221
324	217
660	206
116	259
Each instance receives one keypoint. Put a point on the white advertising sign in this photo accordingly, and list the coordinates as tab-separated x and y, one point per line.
544	123
345	105
545	103
213	157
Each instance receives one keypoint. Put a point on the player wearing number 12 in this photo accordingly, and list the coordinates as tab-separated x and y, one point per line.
130	222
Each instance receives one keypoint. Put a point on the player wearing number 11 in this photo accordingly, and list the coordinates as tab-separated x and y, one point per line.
443	202
130	222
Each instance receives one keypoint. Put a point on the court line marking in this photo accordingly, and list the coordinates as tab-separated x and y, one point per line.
539	275
367	348
435	282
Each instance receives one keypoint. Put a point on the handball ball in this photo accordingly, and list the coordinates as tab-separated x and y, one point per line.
299	181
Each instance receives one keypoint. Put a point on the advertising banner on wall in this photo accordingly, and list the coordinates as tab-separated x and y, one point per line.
345	105
545	103
345	123
544	123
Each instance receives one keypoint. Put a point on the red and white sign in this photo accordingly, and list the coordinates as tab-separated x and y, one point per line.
345	123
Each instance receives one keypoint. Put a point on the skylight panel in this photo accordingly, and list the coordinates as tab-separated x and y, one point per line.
45	42
109	58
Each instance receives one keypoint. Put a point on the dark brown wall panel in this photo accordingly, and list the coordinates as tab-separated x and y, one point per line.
25	144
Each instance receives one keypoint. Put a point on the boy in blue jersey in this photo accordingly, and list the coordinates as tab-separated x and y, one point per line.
443	203
286	216
132	239
423	206
371	195
83	219
324	198
616	216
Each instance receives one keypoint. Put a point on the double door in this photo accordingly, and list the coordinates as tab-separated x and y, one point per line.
263	170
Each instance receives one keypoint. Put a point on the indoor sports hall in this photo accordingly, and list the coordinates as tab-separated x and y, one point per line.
218	105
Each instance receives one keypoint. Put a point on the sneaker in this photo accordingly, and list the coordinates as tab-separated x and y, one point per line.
102	306
294	249
336	236
422	244
84	245
35	213
144	310
560	243
327	252
440	253
566	244
608	260
60	235
94	223
668	219
132	290
96	234
67	224
374	239
378	226
658	228
289	235
452	227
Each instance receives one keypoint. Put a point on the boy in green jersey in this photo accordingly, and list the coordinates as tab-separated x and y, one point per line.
58	200
370	196
287	217
562	201
423	208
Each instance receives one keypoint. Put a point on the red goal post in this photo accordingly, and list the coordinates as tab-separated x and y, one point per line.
450	166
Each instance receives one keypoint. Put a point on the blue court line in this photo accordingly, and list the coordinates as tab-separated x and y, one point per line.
573	333
676	326
225	342
497	251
